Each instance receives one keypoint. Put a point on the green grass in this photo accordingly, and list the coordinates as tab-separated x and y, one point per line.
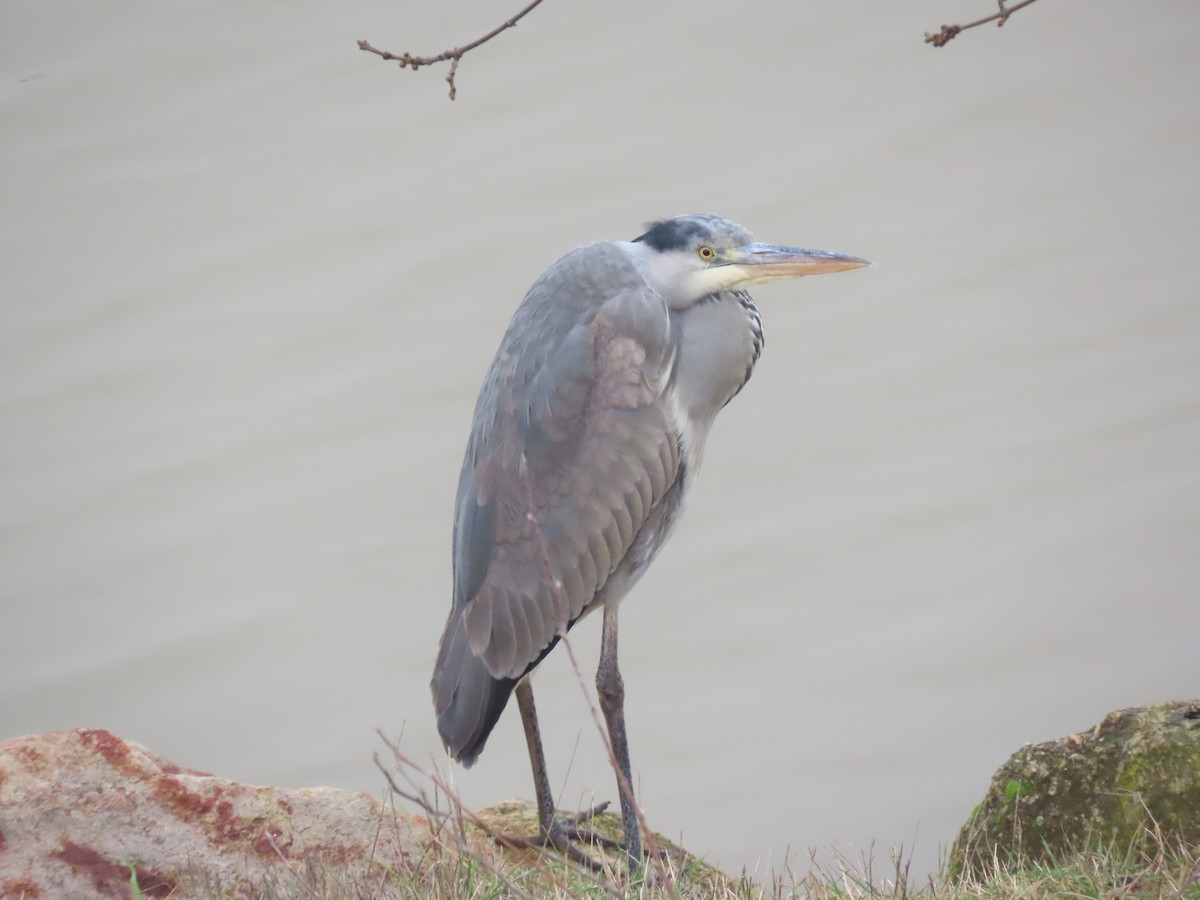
456	856
477	869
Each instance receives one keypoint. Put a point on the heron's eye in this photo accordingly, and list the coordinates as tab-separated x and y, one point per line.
707	253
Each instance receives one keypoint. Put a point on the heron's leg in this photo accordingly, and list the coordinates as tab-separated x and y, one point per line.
611	690
555	831
537	756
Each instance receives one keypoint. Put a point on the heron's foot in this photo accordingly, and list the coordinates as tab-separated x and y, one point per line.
564	833
566	829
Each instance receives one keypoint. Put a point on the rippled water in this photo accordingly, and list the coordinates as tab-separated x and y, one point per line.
253	278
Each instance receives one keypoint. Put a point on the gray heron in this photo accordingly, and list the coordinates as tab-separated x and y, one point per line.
588	432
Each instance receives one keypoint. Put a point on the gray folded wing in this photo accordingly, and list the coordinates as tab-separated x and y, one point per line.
572	448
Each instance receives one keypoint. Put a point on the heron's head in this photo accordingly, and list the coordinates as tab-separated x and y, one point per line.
689	257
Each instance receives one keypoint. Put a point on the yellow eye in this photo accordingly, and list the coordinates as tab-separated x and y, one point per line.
707	253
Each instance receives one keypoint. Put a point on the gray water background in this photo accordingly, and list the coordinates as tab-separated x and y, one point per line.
252	278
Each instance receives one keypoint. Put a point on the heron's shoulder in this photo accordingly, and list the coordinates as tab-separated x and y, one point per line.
575	288
604	267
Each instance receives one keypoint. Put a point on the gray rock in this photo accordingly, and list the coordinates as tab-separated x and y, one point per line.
1137	771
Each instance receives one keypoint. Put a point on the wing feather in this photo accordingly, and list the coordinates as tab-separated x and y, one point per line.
502	642
624	523
591	579
573	580
598	546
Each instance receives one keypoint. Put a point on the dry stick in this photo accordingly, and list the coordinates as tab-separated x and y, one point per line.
560	615
460	814
1160	849
949	32
408	61
308	888
379	828
1189	879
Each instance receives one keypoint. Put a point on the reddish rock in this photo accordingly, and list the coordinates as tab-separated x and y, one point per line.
81	810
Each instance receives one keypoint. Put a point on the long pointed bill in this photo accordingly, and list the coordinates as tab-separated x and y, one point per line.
768	262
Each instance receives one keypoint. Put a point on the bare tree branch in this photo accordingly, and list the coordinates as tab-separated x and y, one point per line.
949	32
408	61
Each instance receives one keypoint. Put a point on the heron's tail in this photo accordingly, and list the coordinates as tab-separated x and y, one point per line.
467	698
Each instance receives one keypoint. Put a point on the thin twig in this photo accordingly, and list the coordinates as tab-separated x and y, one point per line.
460	813
461	816
947	33
409	61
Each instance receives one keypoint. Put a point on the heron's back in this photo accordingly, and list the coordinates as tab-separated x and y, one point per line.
571	454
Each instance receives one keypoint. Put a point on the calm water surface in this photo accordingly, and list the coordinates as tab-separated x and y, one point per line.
253	277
